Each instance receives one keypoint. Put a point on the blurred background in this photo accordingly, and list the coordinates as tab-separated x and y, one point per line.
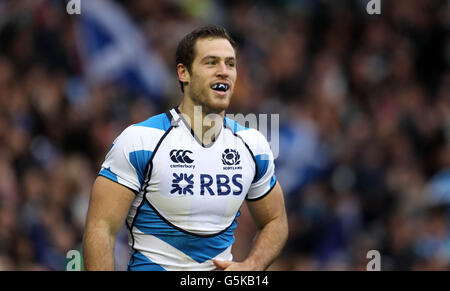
363	100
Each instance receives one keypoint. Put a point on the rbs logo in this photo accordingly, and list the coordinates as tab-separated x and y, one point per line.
220	185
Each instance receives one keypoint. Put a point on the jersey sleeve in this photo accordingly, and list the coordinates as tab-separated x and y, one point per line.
265	178
127	160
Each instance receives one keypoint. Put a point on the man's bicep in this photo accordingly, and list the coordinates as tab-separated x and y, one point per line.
109	205
268	208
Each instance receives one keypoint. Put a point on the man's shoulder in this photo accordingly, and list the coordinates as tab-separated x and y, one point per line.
160	121
237	128
148	131
252	137
247	133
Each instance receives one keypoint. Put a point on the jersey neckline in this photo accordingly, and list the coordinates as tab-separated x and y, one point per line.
176	117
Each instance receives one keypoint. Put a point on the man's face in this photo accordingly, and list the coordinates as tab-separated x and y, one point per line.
213	74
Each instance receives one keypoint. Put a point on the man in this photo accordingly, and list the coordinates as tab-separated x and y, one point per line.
180	188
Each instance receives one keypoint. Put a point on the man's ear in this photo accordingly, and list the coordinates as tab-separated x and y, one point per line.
183	73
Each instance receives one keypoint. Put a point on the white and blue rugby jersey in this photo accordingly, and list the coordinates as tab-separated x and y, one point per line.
187	195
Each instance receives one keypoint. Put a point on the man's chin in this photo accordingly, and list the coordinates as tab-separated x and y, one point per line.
217	106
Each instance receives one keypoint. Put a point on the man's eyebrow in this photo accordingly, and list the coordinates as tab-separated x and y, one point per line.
217	58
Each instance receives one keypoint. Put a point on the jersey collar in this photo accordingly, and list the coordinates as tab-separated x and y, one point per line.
176	118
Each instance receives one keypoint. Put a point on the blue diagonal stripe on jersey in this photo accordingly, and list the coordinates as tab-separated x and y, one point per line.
139	160
198	248
160	121
106	172
142	263
262	163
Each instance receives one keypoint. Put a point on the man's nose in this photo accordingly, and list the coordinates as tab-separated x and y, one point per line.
222	69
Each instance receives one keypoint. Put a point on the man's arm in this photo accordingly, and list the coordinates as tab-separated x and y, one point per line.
269	214
109	205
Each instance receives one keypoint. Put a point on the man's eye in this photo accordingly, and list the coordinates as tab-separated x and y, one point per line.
211	63
231	64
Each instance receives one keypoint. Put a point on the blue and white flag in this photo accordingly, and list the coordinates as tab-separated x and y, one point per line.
113	50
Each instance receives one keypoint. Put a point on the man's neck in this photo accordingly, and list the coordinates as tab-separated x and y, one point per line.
205	123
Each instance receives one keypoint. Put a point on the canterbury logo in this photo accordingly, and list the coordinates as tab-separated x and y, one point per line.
180	156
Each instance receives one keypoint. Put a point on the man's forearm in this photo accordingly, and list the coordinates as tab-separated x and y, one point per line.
98	250
269	242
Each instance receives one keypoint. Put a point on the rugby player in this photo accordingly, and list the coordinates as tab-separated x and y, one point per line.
179	187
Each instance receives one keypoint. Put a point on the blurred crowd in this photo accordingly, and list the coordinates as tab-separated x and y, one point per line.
364	106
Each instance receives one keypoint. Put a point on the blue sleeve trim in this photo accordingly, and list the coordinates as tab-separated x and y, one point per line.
273	180
265	194
262	164
106	172
113	177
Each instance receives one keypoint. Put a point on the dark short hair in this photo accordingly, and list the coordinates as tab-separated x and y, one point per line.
185	51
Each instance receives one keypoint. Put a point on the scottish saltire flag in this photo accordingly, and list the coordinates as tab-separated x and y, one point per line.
112	49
